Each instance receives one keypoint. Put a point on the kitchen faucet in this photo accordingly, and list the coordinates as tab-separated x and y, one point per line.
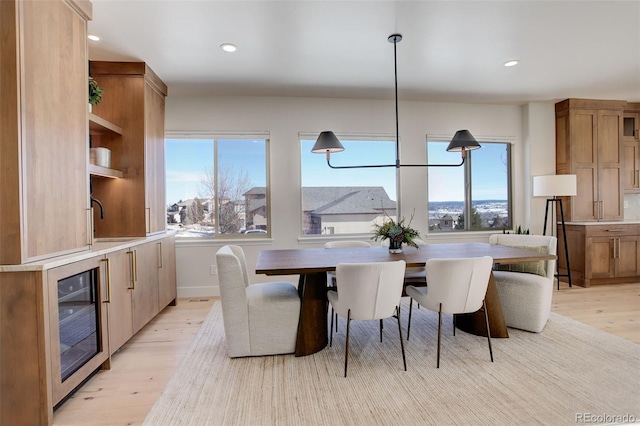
93	200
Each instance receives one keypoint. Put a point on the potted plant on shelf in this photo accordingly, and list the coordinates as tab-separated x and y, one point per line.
396	232
95	93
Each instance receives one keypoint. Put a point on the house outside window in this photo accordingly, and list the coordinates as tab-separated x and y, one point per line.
217	185
347	201
480	189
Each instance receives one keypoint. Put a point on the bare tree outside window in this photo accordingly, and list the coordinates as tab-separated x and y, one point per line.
217	187
232	185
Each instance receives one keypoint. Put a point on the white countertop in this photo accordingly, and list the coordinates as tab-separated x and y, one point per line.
100	247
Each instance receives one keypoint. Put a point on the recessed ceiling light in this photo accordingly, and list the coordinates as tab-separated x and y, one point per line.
93	37
228	47
511	63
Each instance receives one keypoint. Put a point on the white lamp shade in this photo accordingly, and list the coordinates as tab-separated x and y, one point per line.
554	185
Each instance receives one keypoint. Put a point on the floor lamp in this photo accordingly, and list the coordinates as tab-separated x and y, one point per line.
555	186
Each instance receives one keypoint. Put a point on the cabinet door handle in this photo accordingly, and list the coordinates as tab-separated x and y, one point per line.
601	210
148	210
596	210
90	226
160	266
107	261
636	181
615	230
132	268
616	248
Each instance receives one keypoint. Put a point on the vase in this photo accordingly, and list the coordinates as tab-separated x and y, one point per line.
395	246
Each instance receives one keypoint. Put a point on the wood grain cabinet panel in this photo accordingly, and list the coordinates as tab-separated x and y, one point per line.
601	254
589	145
168	291
133	99
631	138
120	275
43	130
145	293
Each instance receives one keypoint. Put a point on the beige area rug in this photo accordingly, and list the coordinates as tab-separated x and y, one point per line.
552	378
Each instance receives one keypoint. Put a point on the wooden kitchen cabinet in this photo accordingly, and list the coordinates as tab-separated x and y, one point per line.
30	344
133	100
168	291
631	147
142	283
120	285
43	129
589	145
601	254
145	292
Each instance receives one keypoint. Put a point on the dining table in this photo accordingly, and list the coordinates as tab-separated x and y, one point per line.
312	265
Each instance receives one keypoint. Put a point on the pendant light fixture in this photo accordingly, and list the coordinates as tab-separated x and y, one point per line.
462	141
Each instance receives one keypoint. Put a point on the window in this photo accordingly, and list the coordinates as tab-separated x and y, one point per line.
217	186
480	189
347	201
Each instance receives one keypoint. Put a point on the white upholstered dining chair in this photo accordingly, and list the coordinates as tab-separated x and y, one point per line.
331	275
456	286
368	291
526	289
259	319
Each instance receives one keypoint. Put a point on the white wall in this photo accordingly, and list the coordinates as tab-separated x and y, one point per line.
284	118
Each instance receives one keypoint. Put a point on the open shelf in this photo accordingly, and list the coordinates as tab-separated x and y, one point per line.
100	125
104	172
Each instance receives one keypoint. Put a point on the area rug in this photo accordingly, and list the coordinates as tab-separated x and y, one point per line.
569	373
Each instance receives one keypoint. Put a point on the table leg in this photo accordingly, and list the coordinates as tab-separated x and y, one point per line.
474	323
312	327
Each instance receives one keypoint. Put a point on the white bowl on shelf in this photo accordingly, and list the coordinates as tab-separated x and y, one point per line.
100	157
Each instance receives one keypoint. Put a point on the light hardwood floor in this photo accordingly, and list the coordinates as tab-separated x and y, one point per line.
139	371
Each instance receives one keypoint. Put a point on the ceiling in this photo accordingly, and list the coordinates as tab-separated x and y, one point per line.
451	50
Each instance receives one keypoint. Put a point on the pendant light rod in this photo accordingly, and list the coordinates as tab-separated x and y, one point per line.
395	39
462	141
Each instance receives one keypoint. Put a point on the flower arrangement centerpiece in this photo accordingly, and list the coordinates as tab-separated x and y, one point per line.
396	232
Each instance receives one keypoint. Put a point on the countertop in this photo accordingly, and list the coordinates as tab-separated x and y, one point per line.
100	247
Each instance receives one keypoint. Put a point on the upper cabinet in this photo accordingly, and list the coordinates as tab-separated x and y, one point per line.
134	101
43	129
589	145
631	147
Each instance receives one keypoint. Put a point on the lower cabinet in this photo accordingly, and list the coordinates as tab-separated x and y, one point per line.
145	304
167	292
142	283
601	254
120	285
62	320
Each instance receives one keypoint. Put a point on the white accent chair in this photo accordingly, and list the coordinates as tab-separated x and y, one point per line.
368	291
525	297
331	276
456	286
259	319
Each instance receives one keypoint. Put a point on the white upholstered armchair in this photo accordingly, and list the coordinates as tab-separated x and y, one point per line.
259	319
526	289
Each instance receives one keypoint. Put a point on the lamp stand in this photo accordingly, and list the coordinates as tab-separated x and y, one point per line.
564	234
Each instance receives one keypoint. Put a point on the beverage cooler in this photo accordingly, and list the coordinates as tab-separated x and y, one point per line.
78	297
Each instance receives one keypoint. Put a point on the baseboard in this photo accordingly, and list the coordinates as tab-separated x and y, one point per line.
186	292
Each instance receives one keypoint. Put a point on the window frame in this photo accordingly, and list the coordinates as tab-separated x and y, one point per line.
216	136
468	183
365	137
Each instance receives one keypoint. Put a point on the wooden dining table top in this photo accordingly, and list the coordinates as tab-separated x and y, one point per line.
316	260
